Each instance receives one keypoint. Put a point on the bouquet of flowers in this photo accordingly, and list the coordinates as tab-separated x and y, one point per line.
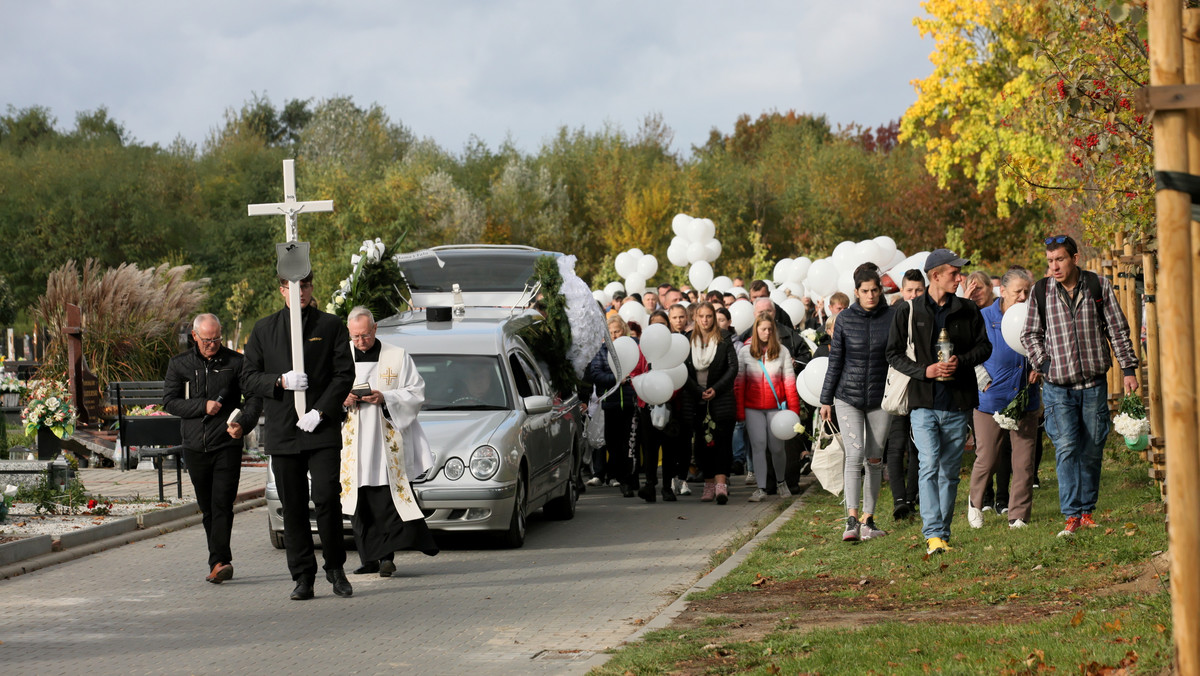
374	282
49	406
10	385
1010	417
1131	421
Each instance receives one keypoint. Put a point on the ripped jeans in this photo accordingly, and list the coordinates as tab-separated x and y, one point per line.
864	434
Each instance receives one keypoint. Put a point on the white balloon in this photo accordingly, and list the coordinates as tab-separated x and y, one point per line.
721	284
822	277
636	254
624	264
867	251
702	230
814	374
1013	324
700	275
677	255
712	250
741	315
783	270
626	349
676	353
680	224
647	266
635	283
696	252
897	259
654	387
633	312
770	286
887	249
845	283
778	296
799	271
793	289
601	297
739	292
843	255
795	309
656	340
783	425
612	289
678	375
806	394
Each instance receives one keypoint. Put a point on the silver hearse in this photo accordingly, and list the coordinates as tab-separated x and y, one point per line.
505	443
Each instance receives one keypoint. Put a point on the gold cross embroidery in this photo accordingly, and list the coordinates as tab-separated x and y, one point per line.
388	376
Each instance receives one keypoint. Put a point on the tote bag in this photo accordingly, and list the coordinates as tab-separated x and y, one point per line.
829	459
895	391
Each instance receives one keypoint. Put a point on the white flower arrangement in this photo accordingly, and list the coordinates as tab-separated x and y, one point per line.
1010	417
1129	426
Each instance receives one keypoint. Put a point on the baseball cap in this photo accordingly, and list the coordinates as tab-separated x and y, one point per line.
939	257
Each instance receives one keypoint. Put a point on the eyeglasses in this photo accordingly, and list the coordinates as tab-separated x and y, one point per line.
1056	240
208	341
361	336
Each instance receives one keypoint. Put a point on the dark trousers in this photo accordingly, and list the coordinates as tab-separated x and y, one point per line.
215	476
621	431
292	473
676	449
716	459
902	451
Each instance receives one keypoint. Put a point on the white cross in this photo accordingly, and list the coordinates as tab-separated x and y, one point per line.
290	208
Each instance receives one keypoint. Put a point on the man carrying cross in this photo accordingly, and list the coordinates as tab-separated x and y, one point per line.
298	360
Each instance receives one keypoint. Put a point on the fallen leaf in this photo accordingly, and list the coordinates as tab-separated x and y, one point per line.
1038	567
864	582
915	651
760	580
159	546
712	646
772	668
1159	628
959	656
681	518
639	621
795	552
1115	625
1077	619
1109	531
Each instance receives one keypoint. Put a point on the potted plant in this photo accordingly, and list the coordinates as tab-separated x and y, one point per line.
6	500
10	391
50	415
1131	422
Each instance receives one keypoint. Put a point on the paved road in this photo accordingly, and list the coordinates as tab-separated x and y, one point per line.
576	588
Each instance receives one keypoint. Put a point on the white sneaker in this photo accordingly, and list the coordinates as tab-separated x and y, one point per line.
987	508
615	483
750	480
757	495
975	517
783	491
1017	523
594	481
683	488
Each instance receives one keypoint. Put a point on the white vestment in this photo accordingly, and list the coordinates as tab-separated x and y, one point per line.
377	451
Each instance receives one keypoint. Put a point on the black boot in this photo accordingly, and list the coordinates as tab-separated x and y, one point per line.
386	568
646	493
667	493
341	586
367	568
303	590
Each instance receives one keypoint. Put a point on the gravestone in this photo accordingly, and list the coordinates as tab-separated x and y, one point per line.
82	383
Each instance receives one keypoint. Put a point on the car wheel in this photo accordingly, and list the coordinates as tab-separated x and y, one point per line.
514	537
276	536
563	508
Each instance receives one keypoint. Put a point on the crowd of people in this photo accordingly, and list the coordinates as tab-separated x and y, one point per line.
939	327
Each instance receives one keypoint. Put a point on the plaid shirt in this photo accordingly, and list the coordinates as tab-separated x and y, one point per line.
1071	350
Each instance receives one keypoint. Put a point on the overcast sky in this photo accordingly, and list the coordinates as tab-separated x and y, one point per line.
449	70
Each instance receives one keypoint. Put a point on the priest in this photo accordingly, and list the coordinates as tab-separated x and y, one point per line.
382	447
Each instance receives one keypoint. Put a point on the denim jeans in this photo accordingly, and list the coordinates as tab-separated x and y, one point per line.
739	442
939	436
1077	422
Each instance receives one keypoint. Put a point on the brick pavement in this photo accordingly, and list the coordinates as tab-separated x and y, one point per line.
583	585
114	483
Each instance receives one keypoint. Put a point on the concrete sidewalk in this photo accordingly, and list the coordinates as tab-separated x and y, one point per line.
143	483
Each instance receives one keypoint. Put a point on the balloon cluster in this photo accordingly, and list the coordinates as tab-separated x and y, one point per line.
666	352
636	267
821	278
694	244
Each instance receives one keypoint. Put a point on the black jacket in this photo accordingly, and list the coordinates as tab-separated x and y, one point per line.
599	372
330	370
192	381
858	357
967	332
722	373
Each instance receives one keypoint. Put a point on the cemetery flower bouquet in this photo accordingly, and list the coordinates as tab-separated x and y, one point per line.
1131	421
10	385
49	406
374	282
1010	417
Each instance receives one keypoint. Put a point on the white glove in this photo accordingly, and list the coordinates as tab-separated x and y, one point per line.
309	421
295	380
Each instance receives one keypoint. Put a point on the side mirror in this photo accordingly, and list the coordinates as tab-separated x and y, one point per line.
538	404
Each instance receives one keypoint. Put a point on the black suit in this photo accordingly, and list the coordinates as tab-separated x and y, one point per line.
296	455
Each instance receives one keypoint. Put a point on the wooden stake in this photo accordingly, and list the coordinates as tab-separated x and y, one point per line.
1173	208
1153	358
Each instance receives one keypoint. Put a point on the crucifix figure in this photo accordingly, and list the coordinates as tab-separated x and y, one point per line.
293	262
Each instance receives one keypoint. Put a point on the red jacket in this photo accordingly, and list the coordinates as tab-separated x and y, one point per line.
752	390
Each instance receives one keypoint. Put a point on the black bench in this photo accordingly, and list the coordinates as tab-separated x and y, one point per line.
157	437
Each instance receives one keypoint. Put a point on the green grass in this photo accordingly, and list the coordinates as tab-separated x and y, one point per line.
1003	601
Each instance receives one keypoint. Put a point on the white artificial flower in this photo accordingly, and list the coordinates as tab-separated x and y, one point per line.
1128	426
344	287
354	260
340	300
52	402
10	491
1005	423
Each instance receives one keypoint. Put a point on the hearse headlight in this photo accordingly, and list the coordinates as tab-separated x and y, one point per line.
485	462
454	469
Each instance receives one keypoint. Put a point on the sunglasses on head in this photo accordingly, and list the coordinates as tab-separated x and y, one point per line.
1056	240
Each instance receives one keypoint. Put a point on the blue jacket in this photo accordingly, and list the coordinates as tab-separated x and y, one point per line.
858	362
1009	370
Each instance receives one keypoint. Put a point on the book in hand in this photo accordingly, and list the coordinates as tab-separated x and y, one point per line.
361	390
234	416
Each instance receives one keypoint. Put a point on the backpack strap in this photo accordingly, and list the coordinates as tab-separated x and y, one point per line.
1085	276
